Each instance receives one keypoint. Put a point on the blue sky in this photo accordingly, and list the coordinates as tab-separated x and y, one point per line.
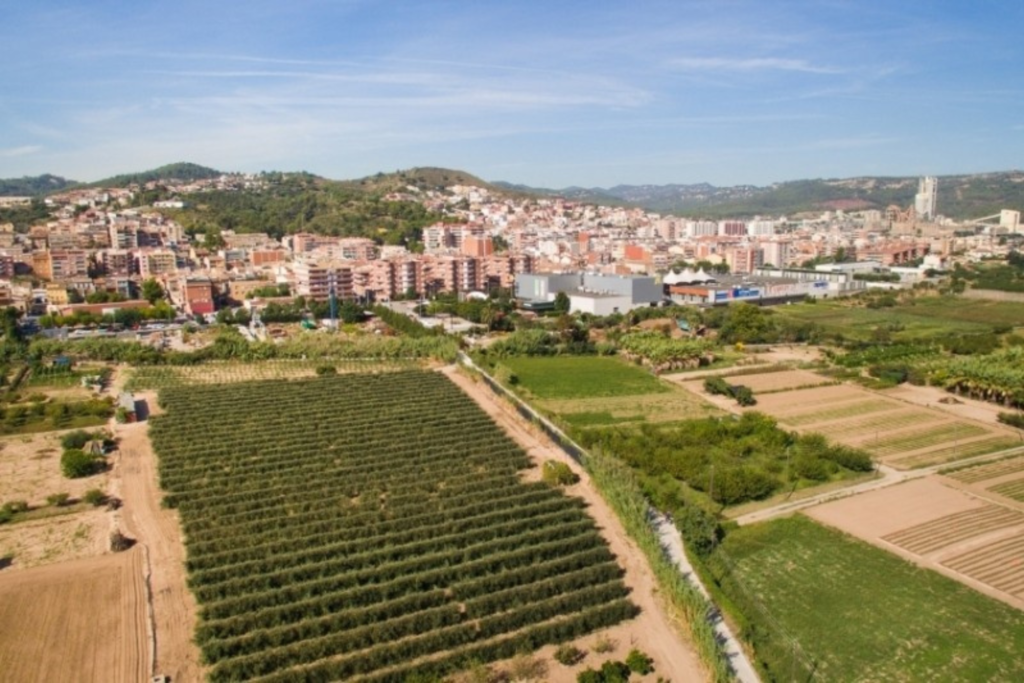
553	93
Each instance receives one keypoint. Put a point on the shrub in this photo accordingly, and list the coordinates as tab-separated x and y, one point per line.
58	499
505	375
639	663
589	676
16	506
1012	419
95	497
76	463
614	672
716	385
558	473
569	655
119	542
75	439
326	370
604	644
743	395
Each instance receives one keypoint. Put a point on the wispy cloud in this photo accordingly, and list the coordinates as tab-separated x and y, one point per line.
21	151
750	64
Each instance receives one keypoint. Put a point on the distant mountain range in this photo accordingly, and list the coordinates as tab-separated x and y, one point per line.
960	196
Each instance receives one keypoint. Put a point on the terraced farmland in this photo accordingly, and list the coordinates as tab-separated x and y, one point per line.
1011	489
945	531
899	434
370	527
993	470
997	564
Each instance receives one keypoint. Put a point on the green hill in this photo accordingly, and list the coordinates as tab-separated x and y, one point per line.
178	171
34	186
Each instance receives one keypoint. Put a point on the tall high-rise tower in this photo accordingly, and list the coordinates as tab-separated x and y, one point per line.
924	201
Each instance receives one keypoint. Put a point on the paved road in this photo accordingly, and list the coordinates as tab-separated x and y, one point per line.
890	477
672	542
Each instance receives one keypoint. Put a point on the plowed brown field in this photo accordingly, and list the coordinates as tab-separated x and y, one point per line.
75	621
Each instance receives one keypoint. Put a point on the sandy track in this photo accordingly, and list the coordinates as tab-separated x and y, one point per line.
653	631
174	607
75	621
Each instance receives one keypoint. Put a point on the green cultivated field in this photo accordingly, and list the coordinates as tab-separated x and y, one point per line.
928	317
555	377
859	613
370	527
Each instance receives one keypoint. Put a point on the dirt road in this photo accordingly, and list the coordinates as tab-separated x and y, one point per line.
174	607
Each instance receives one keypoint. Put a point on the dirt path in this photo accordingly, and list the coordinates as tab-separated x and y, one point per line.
653	631
174	608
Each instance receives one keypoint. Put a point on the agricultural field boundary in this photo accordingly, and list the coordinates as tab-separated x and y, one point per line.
890	477
716	646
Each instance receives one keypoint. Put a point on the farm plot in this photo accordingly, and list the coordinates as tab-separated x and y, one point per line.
930	521
1011	489
75	621
945	531
993	470
161	376
825	606
678	404
780	381
371	526
901	435
997	564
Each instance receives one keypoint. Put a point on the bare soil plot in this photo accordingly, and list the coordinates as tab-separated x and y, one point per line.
899	434
654	631
933	524
781	380
943	401
34	543
30	470
75	621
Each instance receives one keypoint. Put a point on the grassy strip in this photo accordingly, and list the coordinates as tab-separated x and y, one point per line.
619	487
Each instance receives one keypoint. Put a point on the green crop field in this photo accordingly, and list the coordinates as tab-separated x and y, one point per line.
370	526
927	317
546	377
858	613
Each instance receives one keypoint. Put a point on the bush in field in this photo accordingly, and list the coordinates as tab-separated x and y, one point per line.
717	386
326	370
569	655
558	473
743	395
58	499
76	463
76	439
639	663
119	542
505	375
1012	419
95	497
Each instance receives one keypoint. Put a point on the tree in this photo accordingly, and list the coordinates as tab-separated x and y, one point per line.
152	291
562	303
76	463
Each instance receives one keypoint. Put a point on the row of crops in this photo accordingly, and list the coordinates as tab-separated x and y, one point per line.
371	527
146	377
